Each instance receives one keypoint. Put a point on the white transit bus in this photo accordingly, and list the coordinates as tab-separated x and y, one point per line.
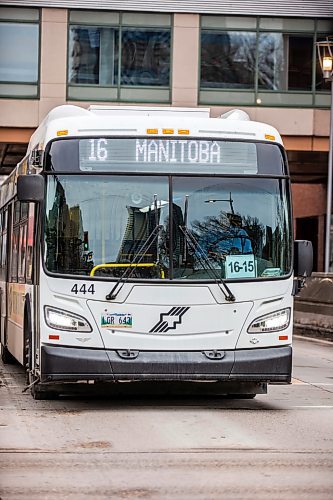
150	244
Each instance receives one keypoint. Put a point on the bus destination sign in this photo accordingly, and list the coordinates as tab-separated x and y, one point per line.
103	154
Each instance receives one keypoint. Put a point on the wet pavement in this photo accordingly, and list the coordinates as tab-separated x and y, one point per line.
157	445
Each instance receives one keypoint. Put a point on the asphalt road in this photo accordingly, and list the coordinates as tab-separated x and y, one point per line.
277	446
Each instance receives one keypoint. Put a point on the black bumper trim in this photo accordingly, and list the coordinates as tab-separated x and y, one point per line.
271	364
73	364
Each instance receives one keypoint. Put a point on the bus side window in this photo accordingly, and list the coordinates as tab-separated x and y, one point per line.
17	210
14	254
15	241
22	252
3	262
30	242
22	242
1	232
24	211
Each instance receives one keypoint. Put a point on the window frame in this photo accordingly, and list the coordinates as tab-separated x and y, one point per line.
4	230
30	258
22	84
248	97
19	230
124	93
287	186
21	258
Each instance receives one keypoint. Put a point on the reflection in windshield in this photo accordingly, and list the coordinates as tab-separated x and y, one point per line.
104	222
99	225
241	225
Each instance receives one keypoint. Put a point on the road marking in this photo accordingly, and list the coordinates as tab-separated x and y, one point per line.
320	383
310	339
296	381
317	407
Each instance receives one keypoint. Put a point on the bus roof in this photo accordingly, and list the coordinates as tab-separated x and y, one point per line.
132	121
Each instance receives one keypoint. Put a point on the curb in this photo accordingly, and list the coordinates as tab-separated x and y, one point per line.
313	331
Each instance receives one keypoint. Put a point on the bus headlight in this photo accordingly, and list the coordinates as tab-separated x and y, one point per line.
273	322
64	320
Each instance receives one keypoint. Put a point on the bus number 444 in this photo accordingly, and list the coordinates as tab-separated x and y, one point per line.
83	289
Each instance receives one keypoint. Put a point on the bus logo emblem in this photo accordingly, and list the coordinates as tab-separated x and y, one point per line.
170	320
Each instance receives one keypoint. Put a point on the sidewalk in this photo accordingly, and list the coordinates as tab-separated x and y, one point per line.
313	315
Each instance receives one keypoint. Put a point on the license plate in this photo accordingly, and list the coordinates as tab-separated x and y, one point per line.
240	266
116	320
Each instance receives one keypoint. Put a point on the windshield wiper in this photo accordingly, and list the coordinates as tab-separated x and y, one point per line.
138	256
204	261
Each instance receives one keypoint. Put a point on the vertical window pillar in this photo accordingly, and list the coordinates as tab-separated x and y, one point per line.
53	60
185	64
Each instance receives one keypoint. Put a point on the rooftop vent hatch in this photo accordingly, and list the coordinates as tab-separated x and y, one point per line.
235	114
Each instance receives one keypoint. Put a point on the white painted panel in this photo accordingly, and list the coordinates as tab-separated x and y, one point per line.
161	327
15	341
170	295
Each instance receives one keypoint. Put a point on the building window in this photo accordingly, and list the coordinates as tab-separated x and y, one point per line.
228	59
145	57
321	83
93	53
266	61
19	63
114	56
284	62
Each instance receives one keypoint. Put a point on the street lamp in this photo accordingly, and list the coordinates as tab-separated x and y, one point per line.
325	56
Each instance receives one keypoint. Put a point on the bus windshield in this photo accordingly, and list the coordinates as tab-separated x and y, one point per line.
209	227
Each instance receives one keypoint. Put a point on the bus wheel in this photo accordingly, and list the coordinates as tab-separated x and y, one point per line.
40	393
7	358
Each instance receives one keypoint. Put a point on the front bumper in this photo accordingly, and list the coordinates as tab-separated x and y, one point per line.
68	364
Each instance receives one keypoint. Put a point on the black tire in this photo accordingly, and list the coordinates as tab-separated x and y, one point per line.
6	356
40	392
43	395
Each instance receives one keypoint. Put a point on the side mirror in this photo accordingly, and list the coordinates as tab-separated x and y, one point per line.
30	188
303	258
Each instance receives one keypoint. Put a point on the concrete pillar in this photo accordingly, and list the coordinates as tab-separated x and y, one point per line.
185	58
53	60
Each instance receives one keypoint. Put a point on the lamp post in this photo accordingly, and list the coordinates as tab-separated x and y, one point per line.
325	55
